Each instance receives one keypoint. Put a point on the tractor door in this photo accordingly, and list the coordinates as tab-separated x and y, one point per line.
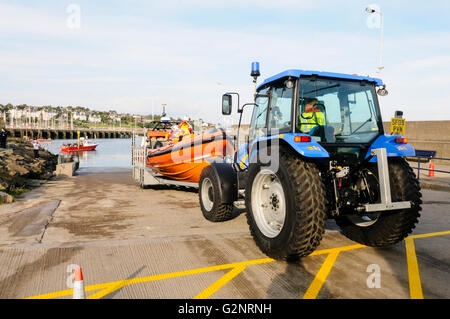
258	124
280	113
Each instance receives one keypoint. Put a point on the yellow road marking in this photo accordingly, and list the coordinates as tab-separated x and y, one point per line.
109	289
338	249
220	283
430	234
415	285
122	283
319	280
62	293
236	268
53	294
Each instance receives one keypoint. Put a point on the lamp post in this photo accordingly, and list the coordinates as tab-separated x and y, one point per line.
371	10
153	106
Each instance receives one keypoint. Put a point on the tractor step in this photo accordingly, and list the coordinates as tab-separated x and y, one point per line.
239	204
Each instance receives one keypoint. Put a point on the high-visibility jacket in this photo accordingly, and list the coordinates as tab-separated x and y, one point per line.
311	119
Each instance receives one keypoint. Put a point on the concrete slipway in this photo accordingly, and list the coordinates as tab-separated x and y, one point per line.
155	243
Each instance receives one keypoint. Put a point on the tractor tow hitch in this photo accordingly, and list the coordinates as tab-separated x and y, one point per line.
385	187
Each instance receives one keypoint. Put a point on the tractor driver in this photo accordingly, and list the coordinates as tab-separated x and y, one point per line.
311	116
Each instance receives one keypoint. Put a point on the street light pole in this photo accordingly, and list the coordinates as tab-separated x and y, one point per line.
153	104
380	58
380	62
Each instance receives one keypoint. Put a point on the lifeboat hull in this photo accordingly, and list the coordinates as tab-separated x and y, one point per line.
185	160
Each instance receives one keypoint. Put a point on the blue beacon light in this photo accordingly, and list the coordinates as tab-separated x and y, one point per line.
255	73
255	70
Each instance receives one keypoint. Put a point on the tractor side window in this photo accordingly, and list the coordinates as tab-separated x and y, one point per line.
362	111
311	109
259	117
333	110
280	109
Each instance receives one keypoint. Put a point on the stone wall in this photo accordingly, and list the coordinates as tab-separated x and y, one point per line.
428	135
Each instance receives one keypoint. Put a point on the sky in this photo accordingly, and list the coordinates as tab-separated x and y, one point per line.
132	56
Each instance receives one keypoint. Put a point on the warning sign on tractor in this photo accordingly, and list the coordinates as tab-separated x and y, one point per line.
397	125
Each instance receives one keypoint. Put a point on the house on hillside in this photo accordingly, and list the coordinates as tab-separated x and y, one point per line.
93	118
81	116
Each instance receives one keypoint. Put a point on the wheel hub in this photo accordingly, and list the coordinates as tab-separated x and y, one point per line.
207	194
275	202
268	203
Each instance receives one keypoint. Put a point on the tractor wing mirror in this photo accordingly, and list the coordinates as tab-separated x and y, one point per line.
382	91
227	103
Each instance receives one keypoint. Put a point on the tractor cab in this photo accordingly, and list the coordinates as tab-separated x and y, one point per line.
338	111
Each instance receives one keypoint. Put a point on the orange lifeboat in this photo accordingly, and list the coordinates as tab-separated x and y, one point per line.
184	161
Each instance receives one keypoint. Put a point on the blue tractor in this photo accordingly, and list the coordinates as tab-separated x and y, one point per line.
315	150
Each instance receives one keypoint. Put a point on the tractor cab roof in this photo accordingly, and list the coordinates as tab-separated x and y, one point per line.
299	73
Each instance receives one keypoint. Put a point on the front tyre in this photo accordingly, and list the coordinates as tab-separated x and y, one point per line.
210	197
389	227
286	209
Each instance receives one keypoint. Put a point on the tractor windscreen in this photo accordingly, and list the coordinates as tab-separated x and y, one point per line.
337	111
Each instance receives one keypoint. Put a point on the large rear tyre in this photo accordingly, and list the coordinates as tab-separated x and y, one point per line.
388	227
286	209
210	197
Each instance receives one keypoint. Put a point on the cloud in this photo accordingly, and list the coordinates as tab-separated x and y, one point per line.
255	4
21	19
126	62
434	62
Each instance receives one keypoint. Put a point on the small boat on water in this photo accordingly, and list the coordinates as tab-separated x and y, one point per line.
83	145
184	160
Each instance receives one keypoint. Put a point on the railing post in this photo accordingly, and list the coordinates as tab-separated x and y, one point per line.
418	168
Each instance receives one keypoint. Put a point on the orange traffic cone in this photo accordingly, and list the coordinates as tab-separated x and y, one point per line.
431	170
78	285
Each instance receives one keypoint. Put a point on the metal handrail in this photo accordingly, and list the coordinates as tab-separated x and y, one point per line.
427	169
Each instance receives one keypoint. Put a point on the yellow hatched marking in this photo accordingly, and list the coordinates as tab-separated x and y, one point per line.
113	286
236	268
220	283
319	280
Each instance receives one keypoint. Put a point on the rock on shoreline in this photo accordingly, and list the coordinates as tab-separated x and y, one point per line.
20	170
